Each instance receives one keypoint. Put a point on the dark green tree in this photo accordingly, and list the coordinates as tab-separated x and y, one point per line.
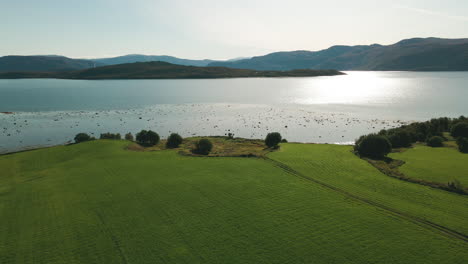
373	146
174	140
110	136
82	137
273	139
203	147
147	138
435	142
462	143
129	136
460	130
400	139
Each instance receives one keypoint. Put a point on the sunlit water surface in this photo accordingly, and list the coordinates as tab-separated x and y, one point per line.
322	109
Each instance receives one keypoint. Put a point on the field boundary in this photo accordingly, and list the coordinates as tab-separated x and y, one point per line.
416	220
390	167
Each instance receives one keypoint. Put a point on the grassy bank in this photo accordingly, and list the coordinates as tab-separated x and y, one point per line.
440	165
98	202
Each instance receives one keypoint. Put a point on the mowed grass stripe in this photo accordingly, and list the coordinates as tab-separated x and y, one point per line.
338	167
427	224
164	208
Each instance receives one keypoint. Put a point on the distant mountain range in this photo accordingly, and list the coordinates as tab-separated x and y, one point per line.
146	58
43	64
417	54
164	70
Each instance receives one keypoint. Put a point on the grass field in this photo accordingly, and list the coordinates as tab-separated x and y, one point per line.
439	165
97	202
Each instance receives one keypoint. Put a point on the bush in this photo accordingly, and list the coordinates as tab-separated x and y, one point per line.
203	146
460	130
273	139
110	136
456	186
82	137
284	140
435	142
147	138
373	146
462	143
174	140
129	136
420	137
400	139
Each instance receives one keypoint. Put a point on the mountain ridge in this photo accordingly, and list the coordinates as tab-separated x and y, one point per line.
415	54
410	54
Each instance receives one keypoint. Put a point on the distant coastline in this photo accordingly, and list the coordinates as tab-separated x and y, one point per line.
164	70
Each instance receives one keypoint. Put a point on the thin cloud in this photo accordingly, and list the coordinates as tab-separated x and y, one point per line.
434	13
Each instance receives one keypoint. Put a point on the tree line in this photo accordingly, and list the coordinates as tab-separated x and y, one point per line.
149	138
378	145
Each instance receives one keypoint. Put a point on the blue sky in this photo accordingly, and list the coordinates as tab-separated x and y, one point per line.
218	29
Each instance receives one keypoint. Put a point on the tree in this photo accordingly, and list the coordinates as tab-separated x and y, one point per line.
373	146
462	143
203	146
400	139
273	139
82	137
147	138
110	136
435	142
174	140
129	136
460	130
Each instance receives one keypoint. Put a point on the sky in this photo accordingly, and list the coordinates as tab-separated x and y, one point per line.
218	29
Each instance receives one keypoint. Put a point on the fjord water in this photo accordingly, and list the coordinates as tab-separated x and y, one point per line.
332	109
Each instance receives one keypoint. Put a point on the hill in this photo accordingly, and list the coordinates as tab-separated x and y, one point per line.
98	202
164	70
43	64
148	58
418	54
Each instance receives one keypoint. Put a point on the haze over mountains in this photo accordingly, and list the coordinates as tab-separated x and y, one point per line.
417	54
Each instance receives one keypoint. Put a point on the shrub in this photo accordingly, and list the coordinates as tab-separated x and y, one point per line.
420	137
273	139
456	186
373	146
435	142
82	137
284	140
460	130
400	139
110	136
462	143
129	136
203	146
174	140
230	135
147	138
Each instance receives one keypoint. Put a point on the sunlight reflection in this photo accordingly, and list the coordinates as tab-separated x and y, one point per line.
354	88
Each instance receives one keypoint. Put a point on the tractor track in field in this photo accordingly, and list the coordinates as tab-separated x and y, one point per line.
113	238
416	220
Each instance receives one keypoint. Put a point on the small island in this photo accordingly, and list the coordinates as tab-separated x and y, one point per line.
164	70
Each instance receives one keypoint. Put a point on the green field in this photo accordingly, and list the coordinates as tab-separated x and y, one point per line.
439	165
97	202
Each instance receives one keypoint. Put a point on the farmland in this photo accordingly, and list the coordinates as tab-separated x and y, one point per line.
98	202
439	165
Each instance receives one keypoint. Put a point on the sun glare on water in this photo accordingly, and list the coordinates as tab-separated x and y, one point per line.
353	88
